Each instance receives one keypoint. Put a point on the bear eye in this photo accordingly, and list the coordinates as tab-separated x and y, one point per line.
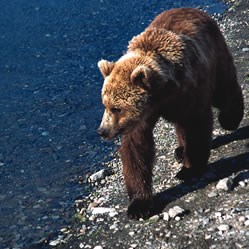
115	110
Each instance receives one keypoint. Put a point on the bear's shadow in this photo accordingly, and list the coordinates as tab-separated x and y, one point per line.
216	171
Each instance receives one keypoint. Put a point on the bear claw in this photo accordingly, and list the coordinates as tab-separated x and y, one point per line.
140	208
188	174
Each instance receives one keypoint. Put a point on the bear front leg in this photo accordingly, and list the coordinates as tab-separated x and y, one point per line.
198	135
137	155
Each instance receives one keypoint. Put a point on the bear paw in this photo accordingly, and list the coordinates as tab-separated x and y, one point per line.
178	154
188	174
229	122
140	208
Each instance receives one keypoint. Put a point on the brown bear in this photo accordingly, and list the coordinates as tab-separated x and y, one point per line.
178	68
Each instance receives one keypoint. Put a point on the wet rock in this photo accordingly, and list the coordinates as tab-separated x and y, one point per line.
225	184
54	242
99	175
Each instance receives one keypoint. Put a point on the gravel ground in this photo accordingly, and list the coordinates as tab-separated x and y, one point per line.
212	212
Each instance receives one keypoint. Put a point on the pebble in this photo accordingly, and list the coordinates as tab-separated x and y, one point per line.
223	227
245	49
154	218
114	226
102	210
131	233
175	211
212	194
166	216
112	214
99	175
246	223
133	245
98	247
54	242
242	183
225	184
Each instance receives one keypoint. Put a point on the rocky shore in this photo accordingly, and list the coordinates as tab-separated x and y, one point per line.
212	212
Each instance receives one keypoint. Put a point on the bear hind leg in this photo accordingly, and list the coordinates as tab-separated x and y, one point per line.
198	135
228	97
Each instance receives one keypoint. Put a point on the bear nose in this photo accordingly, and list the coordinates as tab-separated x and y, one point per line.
103	132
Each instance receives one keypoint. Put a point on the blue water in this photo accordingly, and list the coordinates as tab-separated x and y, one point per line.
50	102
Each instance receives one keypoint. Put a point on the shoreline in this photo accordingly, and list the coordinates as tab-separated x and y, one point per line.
210	217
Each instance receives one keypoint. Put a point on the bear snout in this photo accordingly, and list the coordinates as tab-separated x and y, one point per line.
104	132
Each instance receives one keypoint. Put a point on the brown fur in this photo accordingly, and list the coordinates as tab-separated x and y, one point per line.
177	68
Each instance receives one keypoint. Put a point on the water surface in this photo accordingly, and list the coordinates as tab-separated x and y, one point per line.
50	102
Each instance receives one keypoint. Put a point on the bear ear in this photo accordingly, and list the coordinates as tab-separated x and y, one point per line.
140	76
105	67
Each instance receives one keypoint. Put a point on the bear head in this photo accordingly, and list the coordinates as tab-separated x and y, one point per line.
131	84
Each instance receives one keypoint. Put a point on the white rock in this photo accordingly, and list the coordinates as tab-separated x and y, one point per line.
154	218
98	247
223	227
113	227
246	223
175	211
242	183
245	49
131	233
133	245
99	175
102	210
225	184
54	242
212	194
112	214
166	216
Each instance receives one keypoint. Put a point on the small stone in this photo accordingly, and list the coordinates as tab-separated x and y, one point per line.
208	236
131	233
166	216
177	218
223	227
212	194
133	245
92	205
92	218
45	133
114	226
102	210
176	211
225	184
98	176
242	183
242	218
54	242
154	218
83	229
245	49
246	223
98	247
112	214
